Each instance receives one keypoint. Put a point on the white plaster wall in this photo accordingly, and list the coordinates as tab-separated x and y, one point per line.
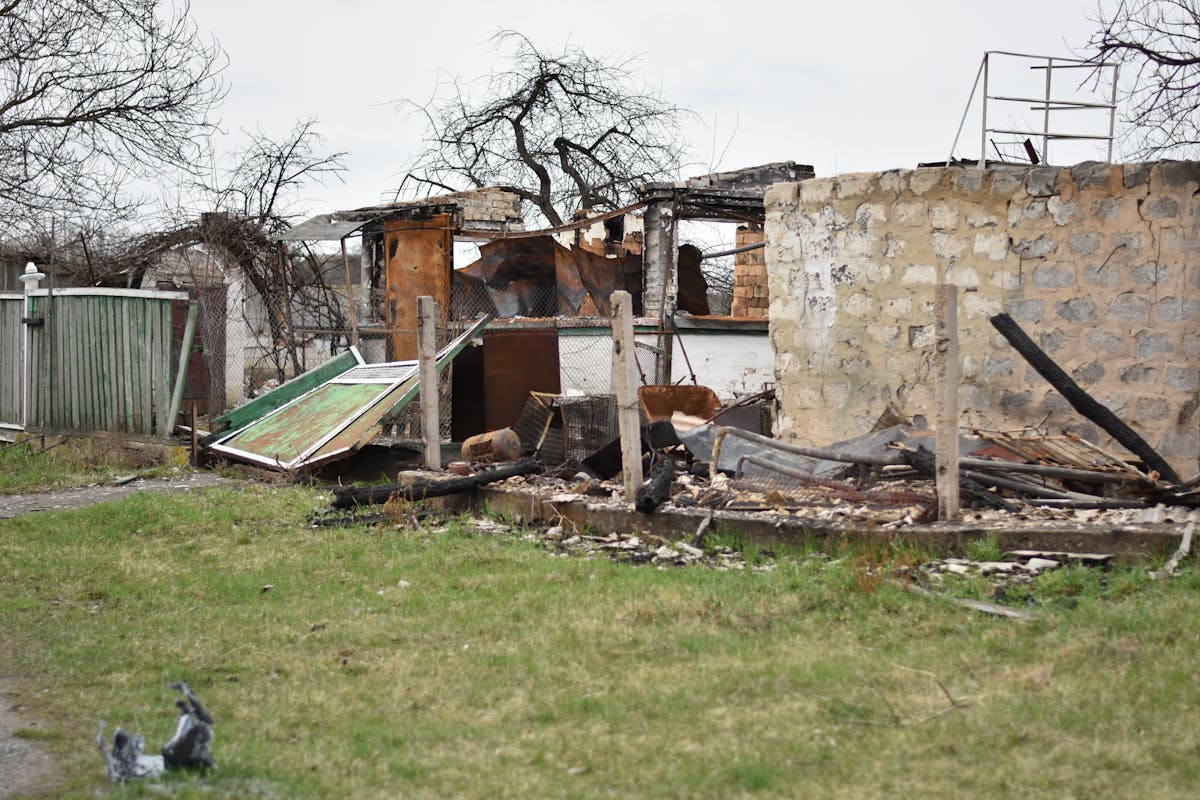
729	364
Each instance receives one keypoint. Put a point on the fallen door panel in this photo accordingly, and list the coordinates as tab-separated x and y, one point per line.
284	436
259	407
366	427
337	417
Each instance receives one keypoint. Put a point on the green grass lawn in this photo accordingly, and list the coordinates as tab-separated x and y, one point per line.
27	468
402	662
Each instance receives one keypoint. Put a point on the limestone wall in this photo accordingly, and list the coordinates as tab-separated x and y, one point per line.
1099	263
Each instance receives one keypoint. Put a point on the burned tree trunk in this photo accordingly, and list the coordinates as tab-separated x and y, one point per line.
1080	400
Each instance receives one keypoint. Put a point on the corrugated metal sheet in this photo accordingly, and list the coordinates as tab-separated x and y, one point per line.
327	227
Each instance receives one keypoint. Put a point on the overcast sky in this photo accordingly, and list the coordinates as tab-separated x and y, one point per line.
848	86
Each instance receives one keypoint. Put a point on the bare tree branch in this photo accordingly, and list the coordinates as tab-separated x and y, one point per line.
1158	41
562	130
94	93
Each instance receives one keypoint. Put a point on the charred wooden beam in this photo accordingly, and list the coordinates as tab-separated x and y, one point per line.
923	461
1080	400
438	487
657	490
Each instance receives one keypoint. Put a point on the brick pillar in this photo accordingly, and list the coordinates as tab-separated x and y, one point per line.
750	276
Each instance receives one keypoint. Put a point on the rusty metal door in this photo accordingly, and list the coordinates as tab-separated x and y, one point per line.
419	261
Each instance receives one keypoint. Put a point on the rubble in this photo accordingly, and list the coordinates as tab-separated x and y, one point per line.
879	482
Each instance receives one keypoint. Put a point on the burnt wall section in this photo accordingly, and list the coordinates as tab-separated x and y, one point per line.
1099	263
750	297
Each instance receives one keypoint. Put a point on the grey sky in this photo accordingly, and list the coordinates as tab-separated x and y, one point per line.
849	86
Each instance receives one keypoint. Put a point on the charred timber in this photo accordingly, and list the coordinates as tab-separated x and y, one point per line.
923	462
1080	400
435	487
657	490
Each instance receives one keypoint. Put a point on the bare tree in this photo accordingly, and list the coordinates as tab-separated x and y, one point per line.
563	130
1159	42
258	195
266	176
94	93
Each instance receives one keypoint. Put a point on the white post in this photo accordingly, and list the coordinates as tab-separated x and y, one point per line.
629	421
983	117
431	432
945	306
31	279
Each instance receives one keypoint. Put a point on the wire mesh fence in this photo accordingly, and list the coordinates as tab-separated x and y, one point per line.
250	345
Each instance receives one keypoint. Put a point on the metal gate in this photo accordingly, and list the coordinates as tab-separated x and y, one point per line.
85	360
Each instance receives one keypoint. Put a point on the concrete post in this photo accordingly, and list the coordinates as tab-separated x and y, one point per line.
427	316
31	280
946	436
629	419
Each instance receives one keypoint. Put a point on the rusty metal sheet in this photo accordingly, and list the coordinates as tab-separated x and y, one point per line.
538	277
661	402
418	258
515	363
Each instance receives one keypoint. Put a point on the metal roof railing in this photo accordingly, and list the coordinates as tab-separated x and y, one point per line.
1046	104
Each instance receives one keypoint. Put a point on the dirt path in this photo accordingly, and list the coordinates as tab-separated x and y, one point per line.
14	505
25	767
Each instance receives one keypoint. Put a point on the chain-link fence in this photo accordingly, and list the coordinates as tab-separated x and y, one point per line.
250	345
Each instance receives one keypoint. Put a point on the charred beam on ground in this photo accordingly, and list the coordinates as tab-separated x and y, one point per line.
657	490
422	489
1080	400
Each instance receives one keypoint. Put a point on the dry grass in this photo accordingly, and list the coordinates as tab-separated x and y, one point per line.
438	663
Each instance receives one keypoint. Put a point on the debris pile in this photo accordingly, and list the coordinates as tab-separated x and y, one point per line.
1017	567
189	748
699	456
628	548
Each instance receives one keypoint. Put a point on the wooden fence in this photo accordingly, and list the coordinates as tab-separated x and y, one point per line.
97	360
12	386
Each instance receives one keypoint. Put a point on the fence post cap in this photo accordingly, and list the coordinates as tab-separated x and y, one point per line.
32	276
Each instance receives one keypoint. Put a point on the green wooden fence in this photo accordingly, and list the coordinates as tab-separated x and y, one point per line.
102	360
12	306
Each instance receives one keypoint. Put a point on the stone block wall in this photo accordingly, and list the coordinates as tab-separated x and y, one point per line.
488	205
751	297
1099	263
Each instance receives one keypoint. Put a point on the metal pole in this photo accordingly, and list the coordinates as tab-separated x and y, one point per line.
30	279
1046	115
167	426
963	121
983	117
1112	112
